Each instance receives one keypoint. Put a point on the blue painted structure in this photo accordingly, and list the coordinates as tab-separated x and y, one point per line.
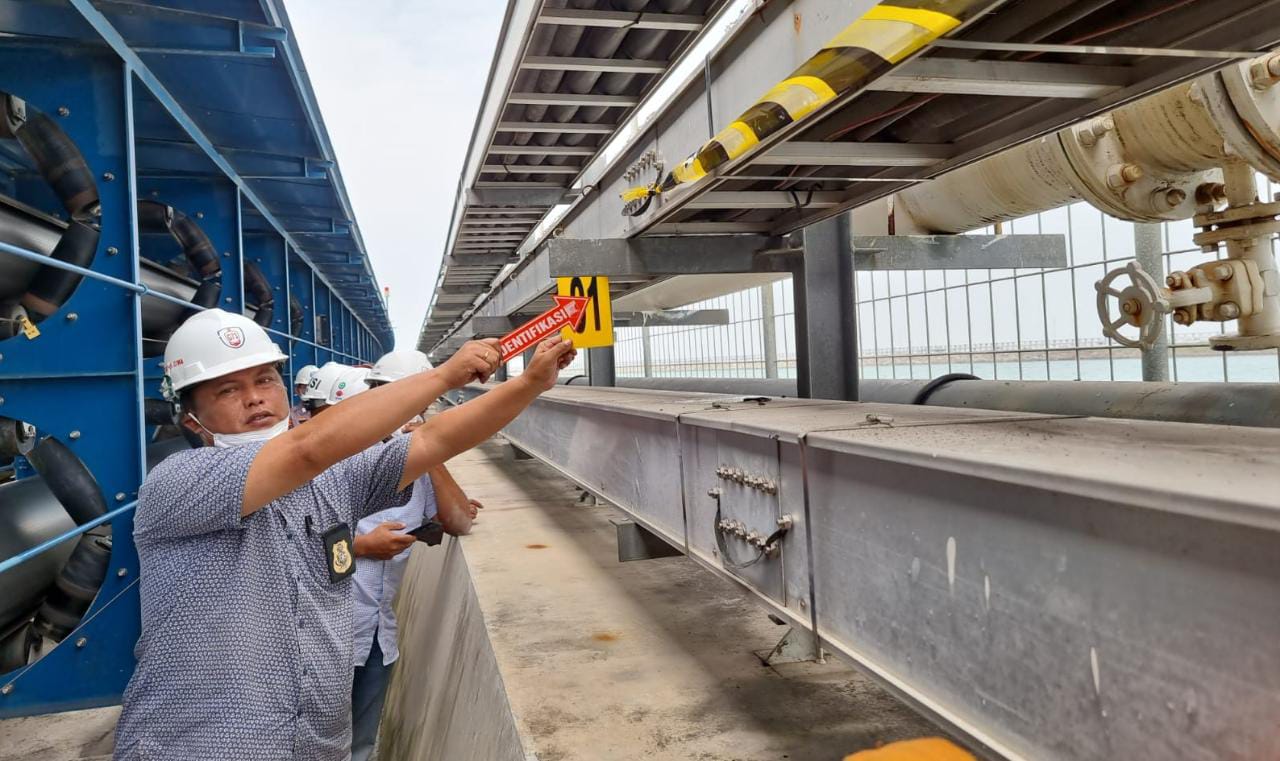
204	105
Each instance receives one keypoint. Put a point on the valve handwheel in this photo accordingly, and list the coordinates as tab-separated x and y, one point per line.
1142	304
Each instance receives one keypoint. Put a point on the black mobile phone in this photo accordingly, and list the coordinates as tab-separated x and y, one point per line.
430	532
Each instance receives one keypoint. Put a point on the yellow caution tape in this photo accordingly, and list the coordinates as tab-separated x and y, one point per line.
883	37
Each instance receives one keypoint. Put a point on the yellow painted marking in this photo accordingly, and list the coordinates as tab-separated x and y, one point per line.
937	23
924	749
638	193
737	139
891	40
800	96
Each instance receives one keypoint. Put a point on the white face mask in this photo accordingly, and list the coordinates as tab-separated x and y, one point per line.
228	440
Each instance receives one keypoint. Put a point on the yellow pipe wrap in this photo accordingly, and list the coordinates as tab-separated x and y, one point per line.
881	38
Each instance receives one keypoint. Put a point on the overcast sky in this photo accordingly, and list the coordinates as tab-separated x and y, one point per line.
399	82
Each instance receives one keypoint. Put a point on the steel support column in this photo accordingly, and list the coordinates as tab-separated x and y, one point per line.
769	331
600	366
826	330
1148	248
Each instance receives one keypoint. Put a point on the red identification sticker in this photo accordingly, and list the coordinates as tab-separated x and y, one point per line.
567	312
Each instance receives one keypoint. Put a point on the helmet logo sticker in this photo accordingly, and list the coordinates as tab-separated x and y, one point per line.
232	337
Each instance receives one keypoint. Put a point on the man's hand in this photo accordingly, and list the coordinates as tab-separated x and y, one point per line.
474	507
476	360
551	356
384	542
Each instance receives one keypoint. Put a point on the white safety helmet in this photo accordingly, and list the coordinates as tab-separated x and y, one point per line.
304	375
347	385
214	343
322	380
395	365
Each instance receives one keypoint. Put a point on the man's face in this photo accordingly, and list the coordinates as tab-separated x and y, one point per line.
249	400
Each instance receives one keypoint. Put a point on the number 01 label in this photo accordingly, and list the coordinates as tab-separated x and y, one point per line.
597	325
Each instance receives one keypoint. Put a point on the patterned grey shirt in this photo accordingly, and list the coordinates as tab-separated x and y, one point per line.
245	650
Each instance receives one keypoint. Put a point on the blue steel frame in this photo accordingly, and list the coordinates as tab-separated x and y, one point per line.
84	379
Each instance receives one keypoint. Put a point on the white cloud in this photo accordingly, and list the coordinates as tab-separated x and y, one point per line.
398	83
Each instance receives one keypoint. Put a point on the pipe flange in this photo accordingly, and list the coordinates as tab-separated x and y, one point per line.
1247	115
1104	174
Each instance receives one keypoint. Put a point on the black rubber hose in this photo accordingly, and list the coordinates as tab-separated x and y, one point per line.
157	411
61	165
51	288
207	294
922	396
74	588
256	284
69	480
156	217
295	316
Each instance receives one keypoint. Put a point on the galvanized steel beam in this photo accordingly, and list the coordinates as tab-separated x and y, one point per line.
1022	79
1036	610
958	252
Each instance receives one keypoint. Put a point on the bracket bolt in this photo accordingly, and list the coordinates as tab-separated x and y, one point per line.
112	250
72	317
82	642
1182	317
119	496
64	112
227	300
1228	310
713	492
73	435
1175	279
5	690
108	176
1120	175
1223	271
786	521
1173	197
122	572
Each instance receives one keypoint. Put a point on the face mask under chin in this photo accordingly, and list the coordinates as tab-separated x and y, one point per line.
228	440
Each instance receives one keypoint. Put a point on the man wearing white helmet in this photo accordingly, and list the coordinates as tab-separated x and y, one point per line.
299	413
385	550
245	544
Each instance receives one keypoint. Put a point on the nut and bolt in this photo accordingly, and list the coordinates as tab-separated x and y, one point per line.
1265	73
72	317
123	572
1175	279
1228	310
82	642
112	250
1131	306
5	690
200	215
713	492
1211	194
73	435
64	112
108	176
786	522
1182	317
1089	133
227	300
1120	175
119	496
1174	197
1223	271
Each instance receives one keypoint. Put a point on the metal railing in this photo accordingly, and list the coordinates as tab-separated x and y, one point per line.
1024	324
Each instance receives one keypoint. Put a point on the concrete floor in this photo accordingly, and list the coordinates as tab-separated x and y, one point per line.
603	660
652	659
